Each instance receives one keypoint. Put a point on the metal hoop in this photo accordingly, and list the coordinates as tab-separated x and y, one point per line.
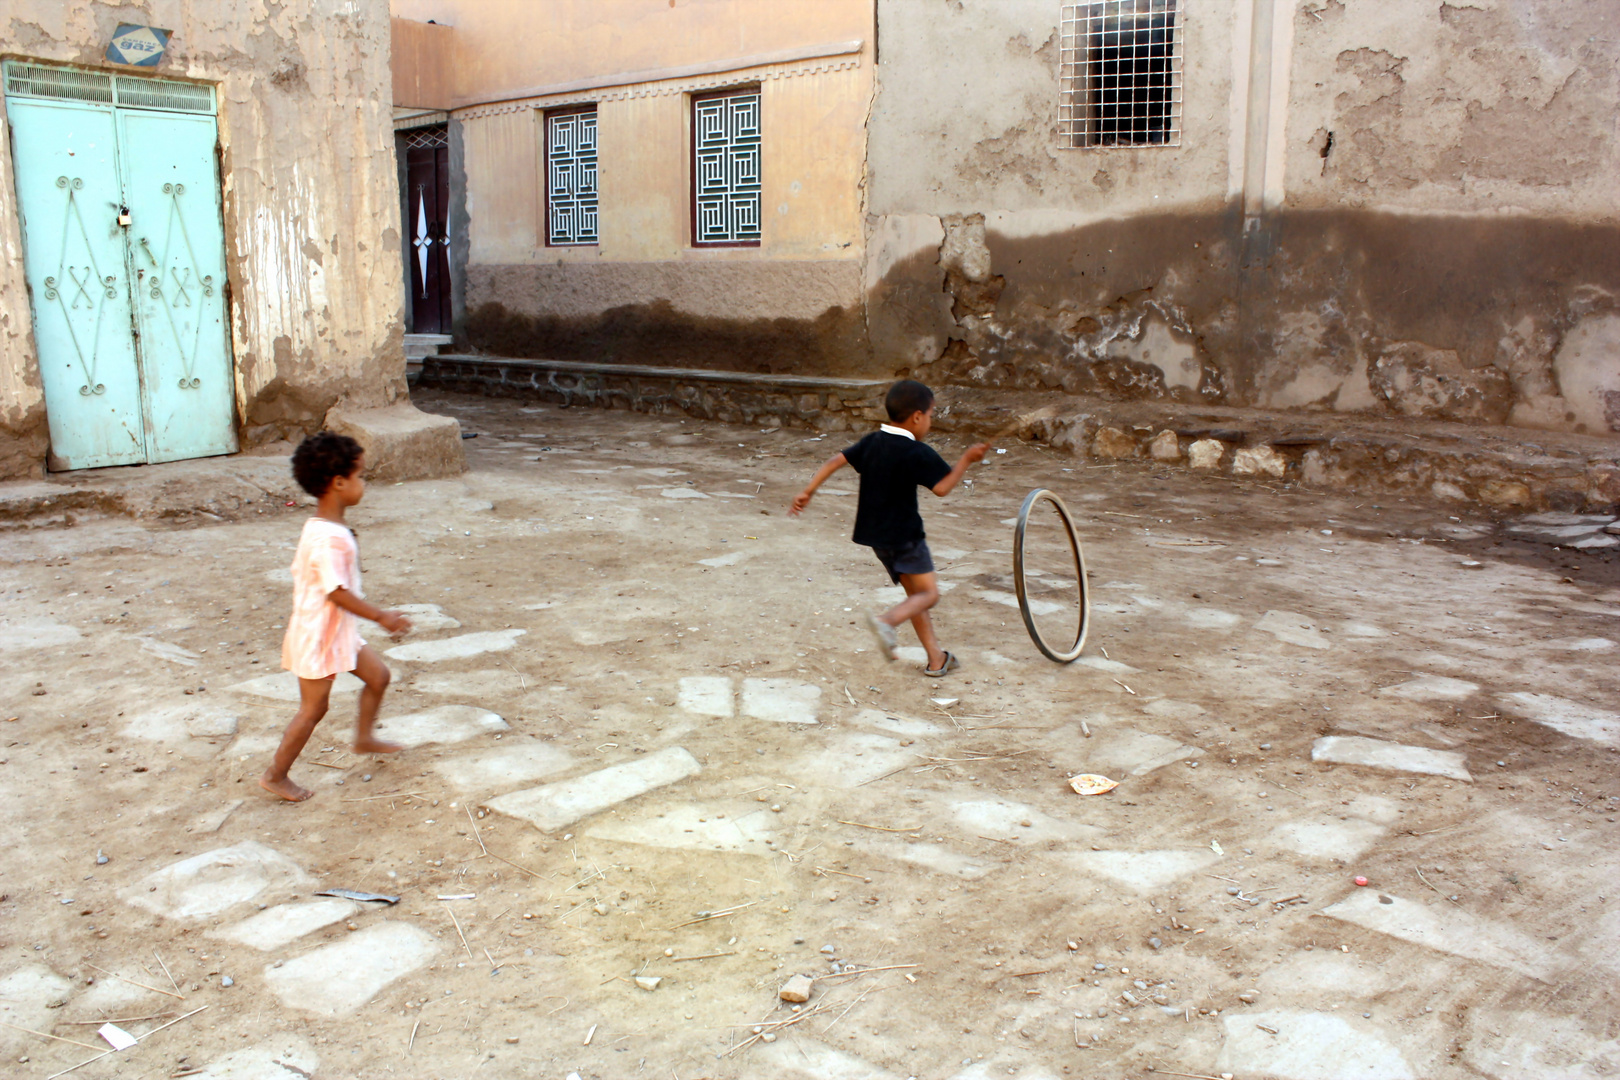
1073	653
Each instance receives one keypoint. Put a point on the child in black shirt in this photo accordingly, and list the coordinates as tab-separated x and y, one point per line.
893	462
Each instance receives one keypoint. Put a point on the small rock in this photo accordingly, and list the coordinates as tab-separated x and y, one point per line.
227	981
796	989
1249	997
1074	946
1139	984
647	982
600	909
1265	746
767	1037
511	1040
366	779
1155	943
1099	967
1232	890
101	860
829	950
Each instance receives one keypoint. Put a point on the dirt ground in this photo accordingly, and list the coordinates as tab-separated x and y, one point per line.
1201	919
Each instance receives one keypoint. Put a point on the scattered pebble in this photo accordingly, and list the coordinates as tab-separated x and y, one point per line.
646	982
227	981
796	989
101	860
366	779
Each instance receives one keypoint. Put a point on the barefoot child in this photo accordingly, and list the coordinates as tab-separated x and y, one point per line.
893	463
322	636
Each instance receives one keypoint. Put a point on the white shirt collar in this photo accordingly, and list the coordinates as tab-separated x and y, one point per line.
892	430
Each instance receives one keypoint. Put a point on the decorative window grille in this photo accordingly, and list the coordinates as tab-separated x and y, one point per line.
72	84
726	168
1121	75
571	177
427	138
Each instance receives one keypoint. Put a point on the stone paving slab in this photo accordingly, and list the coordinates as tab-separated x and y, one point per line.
794	1057
474	685
1328	838
900	725
1144	871
1397	757
444	724
28	994
851	759
1116	750
1431	688
1293	628
782	701
1451	931
283	686
459	647
426	618
1520	1044
184	720
21	635
935	857
1307	1046
215	881
553	806
1008	819
695	826
516	764
707	695
337	979
1570	717
286	1057
286	923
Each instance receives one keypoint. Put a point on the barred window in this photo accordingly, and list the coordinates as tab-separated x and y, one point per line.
1120	75
571	177
726	168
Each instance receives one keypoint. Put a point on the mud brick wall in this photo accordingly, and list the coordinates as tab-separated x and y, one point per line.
822	404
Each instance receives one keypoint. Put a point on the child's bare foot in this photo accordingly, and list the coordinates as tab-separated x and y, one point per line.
373	745
284	787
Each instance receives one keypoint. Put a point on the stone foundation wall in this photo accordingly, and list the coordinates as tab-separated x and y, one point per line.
822	404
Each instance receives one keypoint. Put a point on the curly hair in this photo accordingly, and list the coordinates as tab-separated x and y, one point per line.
906	397
322	458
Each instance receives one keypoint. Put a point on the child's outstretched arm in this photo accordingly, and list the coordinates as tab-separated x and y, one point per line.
973	453
802	499
391	621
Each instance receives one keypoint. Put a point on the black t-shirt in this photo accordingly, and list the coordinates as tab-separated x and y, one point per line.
891	468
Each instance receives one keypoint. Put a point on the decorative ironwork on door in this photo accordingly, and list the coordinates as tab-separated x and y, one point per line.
726	169
87	284
183	279
427	168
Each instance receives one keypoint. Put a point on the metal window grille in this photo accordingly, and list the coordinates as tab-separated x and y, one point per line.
34	80
571	178
1120	80
71	84
726	169
157	94
428	138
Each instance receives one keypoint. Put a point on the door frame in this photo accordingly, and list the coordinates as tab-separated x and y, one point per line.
124	81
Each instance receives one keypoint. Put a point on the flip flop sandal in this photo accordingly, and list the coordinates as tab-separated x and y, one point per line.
888	640
951	664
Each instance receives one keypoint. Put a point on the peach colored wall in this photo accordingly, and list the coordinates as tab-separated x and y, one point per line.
504	46
421	61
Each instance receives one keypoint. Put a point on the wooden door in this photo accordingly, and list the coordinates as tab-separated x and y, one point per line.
427	171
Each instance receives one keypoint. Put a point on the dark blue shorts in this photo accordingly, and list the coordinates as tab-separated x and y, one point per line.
911	559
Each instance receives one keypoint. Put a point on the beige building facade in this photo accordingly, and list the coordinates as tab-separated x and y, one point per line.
641	287
306	233
1400	208
1405	208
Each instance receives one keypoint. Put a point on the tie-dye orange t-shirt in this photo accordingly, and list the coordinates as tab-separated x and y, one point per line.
322	639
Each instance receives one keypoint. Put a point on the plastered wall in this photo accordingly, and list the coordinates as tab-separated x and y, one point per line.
644	293
311	223
1405	207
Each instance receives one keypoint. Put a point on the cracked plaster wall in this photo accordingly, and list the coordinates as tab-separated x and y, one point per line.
1432	228
311	222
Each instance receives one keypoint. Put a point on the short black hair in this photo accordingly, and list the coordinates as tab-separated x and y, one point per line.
322	458
906	397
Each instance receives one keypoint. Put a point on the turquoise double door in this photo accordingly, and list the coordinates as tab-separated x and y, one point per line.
124	256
